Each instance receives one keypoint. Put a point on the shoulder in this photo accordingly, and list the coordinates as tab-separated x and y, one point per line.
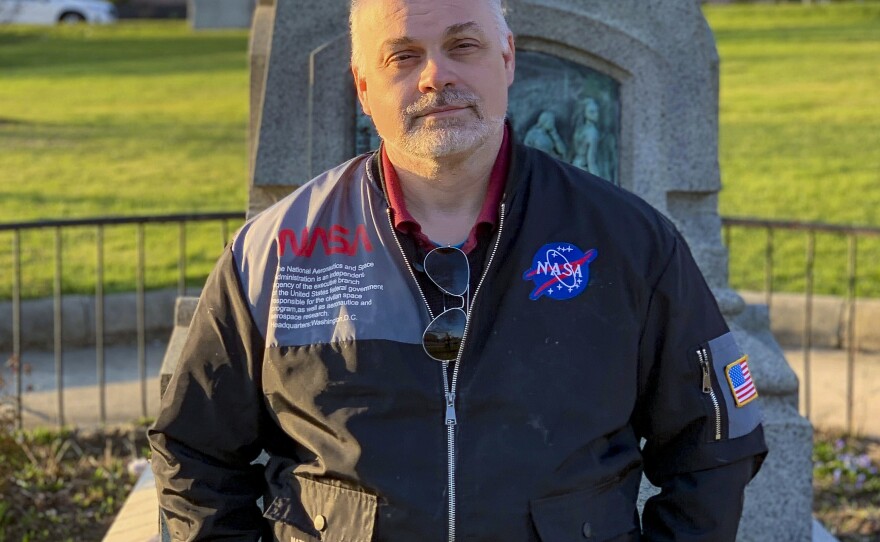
553	183
303	207
294	225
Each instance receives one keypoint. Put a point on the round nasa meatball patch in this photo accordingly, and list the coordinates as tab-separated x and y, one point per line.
560	271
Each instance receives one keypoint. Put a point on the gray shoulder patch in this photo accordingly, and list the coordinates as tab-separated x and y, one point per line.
743	415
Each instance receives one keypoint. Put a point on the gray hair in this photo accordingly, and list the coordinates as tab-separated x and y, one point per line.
498	8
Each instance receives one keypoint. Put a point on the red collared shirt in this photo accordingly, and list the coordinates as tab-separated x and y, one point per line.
488	217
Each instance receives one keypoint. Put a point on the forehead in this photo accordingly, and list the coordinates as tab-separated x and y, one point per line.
381	20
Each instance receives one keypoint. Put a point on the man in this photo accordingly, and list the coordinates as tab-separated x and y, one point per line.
455	337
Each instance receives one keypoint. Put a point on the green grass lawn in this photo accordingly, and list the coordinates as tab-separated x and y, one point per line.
136	118
150	117
800	134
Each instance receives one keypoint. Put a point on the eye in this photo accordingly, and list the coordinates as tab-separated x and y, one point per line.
397	58
465	46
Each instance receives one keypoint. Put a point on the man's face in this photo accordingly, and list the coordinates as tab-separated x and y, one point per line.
433	74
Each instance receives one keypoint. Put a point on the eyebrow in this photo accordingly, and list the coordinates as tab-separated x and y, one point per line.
458	28
463	27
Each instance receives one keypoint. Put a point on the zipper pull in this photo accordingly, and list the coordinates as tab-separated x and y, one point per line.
450	409
704	363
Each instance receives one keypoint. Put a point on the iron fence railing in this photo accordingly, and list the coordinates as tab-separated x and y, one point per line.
99	225
851	235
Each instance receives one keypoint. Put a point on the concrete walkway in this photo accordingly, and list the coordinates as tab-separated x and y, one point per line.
81	394
828	389
138	521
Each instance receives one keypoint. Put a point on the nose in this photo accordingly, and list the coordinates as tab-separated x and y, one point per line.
437	74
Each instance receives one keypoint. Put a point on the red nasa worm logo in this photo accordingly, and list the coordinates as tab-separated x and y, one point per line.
560	271
338	240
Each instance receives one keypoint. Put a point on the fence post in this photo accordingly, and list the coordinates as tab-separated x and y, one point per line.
181	260
99	325
808	318
768	268
727	236
57	316
141	319
16	323
850	331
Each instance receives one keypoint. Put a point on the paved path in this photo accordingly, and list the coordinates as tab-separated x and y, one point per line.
81	394
828	383
138	521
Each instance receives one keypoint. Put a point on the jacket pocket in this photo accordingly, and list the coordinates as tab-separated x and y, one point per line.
321	512
590	514
713	428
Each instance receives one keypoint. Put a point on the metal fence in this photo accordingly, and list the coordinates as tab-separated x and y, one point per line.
99	225
850	235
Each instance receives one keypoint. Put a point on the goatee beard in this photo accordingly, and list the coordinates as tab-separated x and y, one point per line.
436	138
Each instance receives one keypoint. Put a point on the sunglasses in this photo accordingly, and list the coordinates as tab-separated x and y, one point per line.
448	269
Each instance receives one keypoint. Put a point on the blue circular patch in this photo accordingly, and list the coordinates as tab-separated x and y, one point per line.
560	271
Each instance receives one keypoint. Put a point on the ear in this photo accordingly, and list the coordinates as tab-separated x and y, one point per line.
510	60
360	85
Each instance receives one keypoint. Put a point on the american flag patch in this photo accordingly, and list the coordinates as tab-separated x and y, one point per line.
740	380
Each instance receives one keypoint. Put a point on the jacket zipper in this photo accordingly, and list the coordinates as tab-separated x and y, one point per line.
449	390
707	389
451	419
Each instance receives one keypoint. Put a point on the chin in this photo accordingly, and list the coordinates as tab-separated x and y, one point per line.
445	145
447	138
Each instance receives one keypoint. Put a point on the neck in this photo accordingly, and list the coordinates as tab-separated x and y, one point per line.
445	194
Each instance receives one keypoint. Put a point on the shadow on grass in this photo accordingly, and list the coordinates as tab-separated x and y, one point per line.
7	121
802	35
63	55
37	198
114	133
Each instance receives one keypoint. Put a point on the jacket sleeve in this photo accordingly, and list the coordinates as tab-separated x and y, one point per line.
209	426
703	443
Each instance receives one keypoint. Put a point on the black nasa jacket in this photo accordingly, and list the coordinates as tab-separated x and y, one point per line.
591	329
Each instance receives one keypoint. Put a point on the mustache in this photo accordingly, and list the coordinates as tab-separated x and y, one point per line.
446	98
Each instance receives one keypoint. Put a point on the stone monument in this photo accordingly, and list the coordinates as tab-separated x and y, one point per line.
216	14
627	89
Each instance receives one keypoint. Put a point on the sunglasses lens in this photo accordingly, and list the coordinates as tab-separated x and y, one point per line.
448	268
443	337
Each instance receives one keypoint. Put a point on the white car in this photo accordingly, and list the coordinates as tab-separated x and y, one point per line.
56	11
